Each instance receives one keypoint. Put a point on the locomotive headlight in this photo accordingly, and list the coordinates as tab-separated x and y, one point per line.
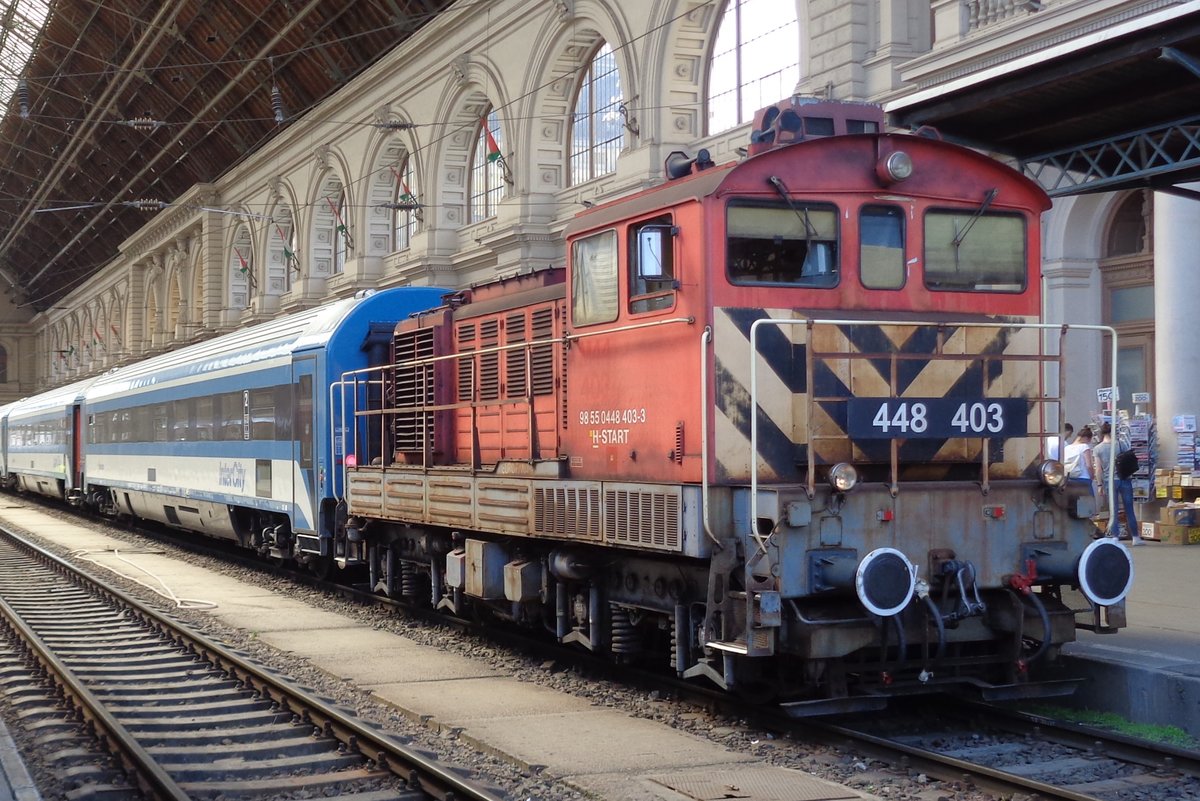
1052	473
896	167
843	477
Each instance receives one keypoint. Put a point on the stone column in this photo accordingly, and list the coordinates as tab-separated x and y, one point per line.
1176	340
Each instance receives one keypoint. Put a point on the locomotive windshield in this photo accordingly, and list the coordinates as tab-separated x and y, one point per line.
970	250
793	243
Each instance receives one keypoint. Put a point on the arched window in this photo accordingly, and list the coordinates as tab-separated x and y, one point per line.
1127	281
3	365
597	130
487	168
341	234
755	62
405	222
242	280
1127	230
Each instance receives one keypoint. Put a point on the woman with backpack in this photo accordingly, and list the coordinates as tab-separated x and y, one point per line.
1122	483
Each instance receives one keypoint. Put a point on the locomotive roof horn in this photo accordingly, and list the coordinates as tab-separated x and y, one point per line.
679	165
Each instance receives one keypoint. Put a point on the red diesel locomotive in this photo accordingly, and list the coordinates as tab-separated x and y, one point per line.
779	424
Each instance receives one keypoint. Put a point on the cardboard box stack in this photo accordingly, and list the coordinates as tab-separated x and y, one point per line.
1179	521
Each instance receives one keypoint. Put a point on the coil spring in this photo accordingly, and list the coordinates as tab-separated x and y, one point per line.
624	635
410	582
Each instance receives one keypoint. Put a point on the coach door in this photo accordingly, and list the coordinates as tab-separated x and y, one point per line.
75	437
304	445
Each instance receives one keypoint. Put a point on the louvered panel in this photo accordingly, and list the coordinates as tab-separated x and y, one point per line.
542	358
568	511
412	387
465	366
642	518
514	360
489	363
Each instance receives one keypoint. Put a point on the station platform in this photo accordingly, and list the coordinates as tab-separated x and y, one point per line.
1149	672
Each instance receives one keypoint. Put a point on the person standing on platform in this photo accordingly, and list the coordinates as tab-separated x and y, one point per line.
1122	489
1077	458
1055	445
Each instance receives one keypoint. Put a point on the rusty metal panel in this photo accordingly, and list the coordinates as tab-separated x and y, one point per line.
504	505
450	500
364	493
404	496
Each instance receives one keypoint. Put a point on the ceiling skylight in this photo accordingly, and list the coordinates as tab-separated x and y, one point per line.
20	23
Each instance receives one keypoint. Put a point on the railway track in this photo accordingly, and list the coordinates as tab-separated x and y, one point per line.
180	717
992	750
1010	752
995	750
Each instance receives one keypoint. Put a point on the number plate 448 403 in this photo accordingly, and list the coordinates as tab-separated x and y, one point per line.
936	418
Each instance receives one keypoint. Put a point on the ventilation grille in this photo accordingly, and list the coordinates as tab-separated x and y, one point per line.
412	387
542	357
643	519
489	363
514	360
466	364
570	512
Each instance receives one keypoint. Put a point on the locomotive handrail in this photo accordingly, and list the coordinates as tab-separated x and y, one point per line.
705	338
565	339
352	378
761	541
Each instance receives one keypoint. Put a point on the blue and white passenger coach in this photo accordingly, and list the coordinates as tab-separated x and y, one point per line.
44	445
231	437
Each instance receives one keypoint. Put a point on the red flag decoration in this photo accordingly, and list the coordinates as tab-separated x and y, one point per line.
341	224
288	255
406	195
116	333
493	149
96	334
242	260
245	267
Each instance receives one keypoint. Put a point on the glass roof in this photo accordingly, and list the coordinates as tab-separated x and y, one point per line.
20	23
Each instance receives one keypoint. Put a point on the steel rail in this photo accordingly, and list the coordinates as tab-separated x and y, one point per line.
433	778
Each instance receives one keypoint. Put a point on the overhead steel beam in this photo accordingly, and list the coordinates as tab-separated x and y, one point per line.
1156	156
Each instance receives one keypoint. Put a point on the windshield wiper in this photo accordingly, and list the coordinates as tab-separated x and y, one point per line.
810	230
961	235
987	201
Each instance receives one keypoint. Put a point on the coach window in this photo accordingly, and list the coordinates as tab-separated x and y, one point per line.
304	421
158	417
881	247
971	250
794	243
262	414
231	416
652	265
594	279
202	429
181	420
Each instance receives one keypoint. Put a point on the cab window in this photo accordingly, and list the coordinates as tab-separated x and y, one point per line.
792	243
652	265
594	279
881	247
969	250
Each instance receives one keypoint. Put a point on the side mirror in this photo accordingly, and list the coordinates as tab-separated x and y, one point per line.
654	244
